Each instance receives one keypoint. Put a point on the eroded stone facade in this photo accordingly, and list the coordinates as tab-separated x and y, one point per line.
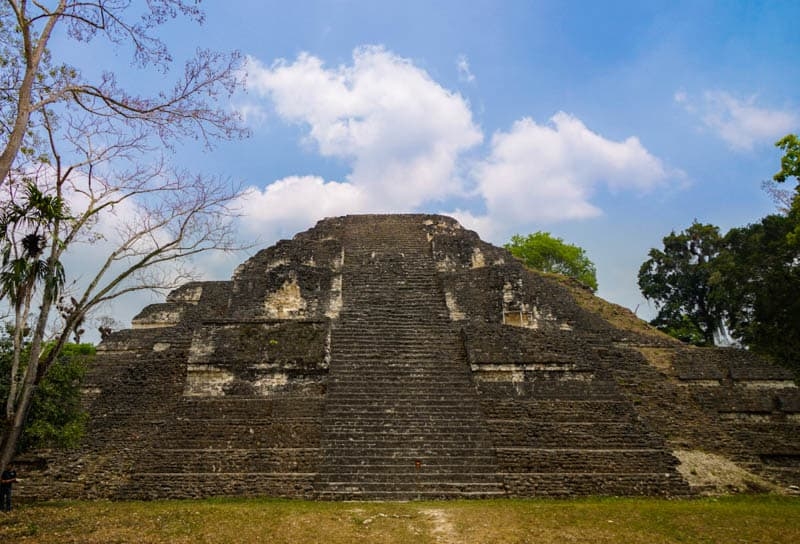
402	357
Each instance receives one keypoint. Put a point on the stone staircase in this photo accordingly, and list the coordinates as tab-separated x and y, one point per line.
402	418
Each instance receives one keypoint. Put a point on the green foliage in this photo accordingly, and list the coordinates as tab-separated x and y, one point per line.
679	280
6	359
790	162
27	225
541	251
747	281
758	281
790	168
56	418
684	329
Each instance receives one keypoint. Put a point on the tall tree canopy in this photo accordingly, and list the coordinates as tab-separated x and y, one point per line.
679	280
747	281
544	252
758	284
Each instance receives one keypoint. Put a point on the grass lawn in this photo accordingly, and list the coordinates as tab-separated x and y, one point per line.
748	519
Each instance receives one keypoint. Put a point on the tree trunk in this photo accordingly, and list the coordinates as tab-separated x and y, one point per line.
14	430
12	433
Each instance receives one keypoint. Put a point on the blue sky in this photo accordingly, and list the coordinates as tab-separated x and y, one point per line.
605	123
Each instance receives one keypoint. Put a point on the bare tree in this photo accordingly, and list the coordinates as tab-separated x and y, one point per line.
781	197
149	216
33	80
84	163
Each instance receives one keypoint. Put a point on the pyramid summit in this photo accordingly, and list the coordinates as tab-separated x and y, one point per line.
401	357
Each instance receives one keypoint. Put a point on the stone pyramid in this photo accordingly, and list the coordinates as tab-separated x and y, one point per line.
400	357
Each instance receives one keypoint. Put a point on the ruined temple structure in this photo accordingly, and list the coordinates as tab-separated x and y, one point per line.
400	357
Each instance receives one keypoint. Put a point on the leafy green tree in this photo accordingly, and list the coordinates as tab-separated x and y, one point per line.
790	162
790	168
747	282
544	252
679	280
758	283
56	418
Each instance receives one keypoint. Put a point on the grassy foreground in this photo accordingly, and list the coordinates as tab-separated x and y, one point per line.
731	519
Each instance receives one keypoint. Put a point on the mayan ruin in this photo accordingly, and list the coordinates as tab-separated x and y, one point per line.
401	357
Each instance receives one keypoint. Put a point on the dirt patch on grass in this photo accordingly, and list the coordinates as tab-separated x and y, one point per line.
442	529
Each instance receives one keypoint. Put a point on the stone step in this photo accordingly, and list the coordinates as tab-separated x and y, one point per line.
372	404
246	408
413	477
583	459
415	368
441	488
398	340
236	460
421	369
470	437
429	453
388	359
396	417
389	388
433	441
556	409
375	425
357	495
366	371
187	485
398	360
393	465
245	439
561	484
584	440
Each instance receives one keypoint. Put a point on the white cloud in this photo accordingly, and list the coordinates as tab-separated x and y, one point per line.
295	203
740	123
401	131
464	73
489	228
545	173
405	138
